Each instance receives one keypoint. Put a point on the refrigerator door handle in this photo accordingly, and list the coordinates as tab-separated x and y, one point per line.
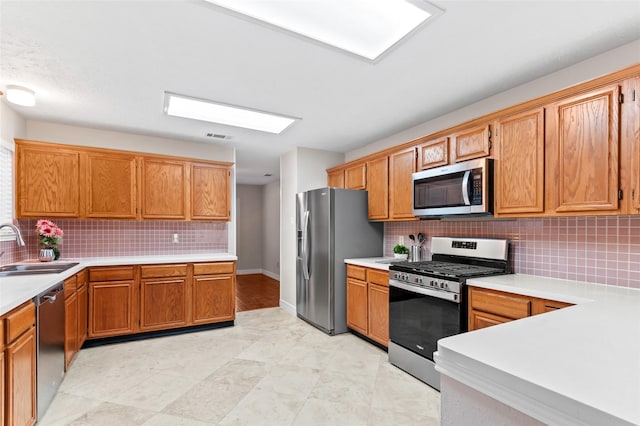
305	246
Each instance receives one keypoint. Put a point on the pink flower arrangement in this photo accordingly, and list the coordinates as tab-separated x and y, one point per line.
49	233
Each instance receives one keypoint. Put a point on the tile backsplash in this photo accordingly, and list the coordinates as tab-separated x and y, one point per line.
603	249
98	238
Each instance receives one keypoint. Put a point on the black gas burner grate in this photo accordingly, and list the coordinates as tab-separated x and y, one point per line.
449	269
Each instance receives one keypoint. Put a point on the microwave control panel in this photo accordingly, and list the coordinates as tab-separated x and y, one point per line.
476	192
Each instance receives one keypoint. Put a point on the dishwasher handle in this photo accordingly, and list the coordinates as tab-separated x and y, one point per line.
51	295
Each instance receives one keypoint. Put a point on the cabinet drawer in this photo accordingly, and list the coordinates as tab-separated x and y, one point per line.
20	320
213	268
70	285
375	276
111	274
502	304
158	271
83	277
357	272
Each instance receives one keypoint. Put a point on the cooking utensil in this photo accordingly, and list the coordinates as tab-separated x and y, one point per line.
420	238
412	238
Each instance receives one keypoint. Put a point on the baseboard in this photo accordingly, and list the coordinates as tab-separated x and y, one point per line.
288	307
258	271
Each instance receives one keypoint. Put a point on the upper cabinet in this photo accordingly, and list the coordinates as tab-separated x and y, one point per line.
433	153
47	181
355	177
519	163
78	182
631	140
210	192
583	137
111	186
471	143
335	178
378	188
164	189
402	165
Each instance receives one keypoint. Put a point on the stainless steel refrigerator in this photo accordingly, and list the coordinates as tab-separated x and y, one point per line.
332	225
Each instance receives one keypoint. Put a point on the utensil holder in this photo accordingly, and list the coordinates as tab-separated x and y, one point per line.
416	253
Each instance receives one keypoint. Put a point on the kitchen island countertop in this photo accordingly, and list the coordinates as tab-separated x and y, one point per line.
16	290
577	365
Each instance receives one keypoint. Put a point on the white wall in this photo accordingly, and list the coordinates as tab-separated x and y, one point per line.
301	169
249	202
12	125
271	230
597	66
98	138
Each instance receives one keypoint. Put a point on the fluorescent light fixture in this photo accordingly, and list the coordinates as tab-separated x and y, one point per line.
201	109
367	28
21	96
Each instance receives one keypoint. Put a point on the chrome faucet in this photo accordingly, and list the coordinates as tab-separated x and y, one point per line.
16	231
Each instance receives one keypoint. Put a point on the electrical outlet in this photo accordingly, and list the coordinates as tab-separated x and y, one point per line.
401	240
175	239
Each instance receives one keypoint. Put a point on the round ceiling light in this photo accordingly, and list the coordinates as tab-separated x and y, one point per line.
21	96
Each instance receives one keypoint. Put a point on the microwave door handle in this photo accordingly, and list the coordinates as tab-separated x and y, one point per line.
465	188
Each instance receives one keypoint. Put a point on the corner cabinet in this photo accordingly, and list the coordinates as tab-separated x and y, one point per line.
368	303
47	181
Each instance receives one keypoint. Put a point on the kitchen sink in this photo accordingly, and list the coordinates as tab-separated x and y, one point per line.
35	268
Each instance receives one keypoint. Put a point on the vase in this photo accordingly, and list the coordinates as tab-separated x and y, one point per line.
402	256
46	254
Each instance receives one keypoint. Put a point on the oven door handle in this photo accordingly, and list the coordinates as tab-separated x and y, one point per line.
445	295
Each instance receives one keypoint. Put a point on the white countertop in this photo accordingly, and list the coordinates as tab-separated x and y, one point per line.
577	365
16	290
382	263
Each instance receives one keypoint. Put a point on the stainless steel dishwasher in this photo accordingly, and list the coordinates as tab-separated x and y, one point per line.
50	345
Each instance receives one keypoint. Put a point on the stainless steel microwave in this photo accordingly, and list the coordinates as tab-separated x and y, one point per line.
458	189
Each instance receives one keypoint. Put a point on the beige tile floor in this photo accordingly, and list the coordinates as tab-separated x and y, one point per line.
271	368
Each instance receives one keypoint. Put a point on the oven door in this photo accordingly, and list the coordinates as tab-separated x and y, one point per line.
419	317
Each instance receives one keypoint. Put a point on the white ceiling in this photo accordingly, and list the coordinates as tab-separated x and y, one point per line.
106	64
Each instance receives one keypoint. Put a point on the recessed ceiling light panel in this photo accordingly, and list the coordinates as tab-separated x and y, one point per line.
366	28
204	110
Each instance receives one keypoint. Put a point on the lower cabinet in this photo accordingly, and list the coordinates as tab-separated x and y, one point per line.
133	299
75	315
19	366
491	307
368	302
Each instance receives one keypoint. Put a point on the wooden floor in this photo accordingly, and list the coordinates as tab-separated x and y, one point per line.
256	291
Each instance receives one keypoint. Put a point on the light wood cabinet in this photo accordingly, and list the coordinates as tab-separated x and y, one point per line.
213	292
112	308
491	307
163	297
433	153
631	141
83	306
355	177
335	179
584	137
164	189
210	192
20	366
47	181
471	143
378	188
111	190
3	378
71	343
519	163
368	303
402	165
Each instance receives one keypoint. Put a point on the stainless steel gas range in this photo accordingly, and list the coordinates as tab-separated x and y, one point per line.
427	300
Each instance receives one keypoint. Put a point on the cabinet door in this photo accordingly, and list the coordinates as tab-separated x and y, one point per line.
378	188
401	166
336	179
70	329
21	380
631	138
433	153
355	177
111	308
214	298
111	186
478	320
519	163
83	314
163	303
164	189
3	382
379	313
48	182
210	192
357	305
586	141
471	143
